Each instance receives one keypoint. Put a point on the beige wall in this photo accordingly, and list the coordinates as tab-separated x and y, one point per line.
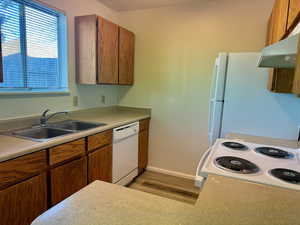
175	52
89	96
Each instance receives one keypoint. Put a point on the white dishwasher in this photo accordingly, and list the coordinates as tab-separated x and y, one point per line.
125	153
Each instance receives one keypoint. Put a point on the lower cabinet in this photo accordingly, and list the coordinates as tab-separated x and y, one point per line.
100	165
143	150
30	184
22	203
67	179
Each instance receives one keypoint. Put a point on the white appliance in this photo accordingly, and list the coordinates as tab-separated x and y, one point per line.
241	103
264	164
125	153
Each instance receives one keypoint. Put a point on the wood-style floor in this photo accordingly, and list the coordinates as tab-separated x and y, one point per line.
167	186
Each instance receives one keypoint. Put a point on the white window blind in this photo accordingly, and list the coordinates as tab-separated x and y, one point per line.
33	40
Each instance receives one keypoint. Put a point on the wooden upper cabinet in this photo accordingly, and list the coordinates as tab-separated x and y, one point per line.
280	16
277	25
294	14
108	38
269	39
126	56
98	43
280	80
86	49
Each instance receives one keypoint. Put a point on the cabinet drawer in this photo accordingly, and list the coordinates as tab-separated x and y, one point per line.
99	140
66	151
23	167
144	124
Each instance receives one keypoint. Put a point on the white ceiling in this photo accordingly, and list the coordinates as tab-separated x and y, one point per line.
127	5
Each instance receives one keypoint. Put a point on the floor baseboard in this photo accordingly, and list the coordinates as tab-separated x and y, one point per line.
171	173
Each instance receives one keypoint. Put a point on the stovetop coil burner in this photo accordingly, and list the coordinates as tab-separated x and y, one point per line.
235	146
286	175
274	152
237	165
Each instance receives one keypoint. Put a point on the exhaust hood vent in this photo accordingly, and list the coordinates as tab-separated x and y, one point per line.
282	54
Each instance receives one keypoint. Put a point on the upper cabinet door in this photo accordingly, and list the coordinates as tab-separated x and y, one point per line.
108	39
104	53
126	57
280	17
86	49
269	40
294	13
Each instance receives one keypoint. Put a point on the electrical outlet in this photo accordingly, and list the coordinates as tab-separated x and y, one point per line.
75	100
103	99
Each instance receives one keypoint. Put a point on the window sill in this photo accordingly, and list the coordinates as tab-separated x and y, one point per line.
44	93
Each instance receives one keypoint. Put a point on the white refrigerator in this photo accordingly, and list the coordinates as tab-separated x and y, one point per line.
240	102
216	103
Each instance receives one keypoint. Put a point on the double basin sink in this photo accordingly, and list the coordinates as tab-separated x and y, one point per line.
53	130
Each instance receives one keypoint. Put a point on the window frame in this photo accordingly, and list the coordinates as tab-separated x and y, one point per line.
62	44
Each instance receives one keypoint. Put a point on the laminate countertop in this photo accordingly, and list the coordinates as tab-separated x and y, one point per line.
223	201
12	147
265	140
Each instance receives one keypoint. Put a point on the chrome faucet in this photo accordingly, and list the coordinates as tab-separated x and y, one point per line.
44	118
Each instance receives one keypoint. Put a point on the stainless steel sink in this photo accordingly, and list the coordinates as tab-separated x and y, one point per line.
74	125
40	133
51	131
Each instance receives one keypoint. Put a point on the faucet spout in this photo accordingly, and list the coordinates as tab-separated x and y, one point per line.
44	118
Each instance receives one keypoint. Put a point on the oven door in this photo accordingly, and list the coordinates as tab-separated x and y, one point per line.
200	176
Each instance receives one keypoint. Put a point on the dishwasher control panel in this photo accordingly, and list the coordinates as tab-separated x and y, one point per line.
125	131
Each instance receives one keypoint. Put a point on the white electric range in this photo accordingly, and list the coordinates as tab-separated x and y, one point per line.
264	164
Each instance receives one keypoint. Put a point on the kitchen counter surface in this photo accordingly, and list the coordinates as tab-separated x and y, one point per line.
223	201
229	201
12	147
102	203
265	140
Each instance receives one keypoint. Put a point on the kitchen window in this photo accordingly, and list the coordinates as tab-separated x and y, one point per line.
34	48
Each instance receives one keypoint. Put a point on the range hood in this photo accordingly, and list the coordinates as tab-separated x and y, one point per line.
282	54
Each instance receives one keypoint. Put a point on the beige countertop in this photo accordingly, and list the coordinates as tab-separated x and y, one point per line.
102	203
223	201
265	140
12	147
229	201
